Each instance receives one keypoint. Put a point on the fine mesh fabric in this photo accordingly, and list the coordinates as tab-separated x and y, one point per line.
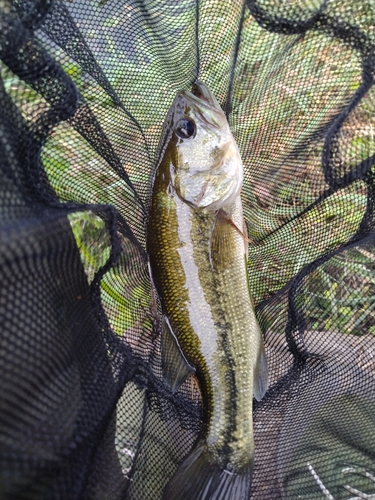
84	90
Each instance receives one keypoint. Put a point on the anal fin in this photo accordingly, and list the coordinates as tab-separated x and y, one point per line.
176	368
260	373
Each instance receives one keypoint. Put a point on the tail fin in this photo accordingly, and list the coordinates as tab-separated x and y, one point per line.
199	478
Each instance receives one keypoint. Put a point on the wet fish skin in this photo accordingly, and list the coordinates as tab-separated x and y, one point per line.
198	263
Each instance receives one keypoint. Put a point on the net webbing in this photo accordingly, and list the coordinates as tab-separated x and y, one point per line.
85	87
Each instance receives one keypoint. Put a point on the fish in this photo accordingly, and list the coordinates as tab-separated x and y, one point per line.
197	246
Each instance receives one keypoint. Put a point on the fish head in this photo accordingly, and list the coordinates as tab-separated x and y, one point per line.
207	167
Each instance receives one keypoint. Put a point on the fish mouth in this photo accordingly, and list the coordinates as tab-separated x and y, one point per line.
204	103
200	90
199	93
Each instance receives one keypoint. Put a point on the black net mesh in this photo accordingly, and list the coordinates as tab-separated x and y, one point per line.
85	87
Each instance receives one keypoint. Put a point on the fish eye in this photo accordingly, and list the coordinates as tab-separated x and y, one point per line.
185	128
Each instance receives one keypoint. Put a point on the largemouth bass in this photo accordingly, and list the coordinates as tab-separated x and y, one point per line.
197	245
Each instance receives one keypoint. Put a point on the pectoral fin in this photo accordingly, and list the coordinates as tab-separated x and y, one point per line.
176	368
260	373
245	239
221	243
